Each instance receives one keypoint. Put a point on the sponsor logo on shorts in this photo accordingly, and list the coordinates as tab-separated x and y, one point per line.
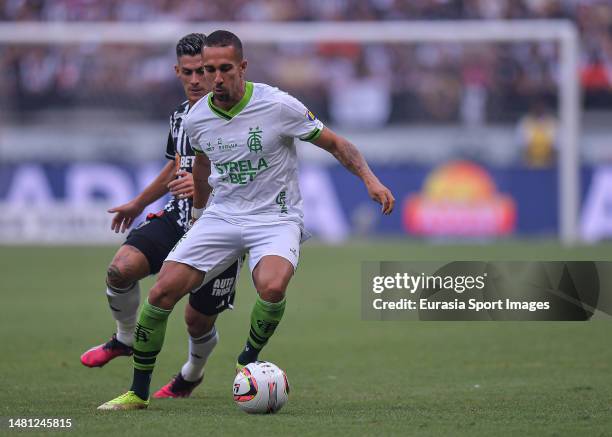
221	287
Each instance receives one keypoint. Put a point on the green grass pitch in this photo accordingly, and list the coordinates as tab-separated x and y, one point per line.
348	376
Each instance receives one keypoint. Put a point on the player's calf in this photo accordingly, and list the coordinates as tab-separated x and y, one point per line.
271	277
128	266
174	281
123	304
123	293
192	372
265	317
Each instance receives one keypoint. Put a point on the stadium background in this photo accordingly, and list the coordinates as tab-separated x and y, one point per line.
464	134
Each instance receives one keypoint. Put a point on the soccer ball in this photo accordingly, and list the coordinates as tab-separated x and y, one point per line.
260	388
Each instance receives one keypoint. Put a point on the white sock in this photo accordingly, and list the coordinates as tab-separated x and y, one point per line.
124	307
199	351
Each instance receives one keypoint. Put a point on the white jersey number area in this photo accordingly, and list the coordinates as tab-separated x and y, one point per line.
252	151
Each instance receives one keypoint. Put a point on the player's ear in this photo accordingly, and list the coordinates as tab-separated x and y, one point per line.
243	67
176	70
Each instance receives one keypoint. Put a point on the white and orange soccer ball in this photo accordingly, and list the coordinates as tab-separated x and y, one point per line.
261	388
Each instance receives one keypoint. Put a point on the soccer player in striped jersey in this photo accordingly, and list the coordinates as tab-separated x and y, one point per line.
247	131
150	242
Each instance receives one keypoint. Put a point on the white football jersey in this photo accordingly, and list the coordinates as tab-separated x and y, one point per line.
252	152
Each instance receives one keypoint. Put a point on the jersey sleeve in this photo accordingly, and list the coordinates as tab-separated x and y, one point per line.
193	141
170	146
297	121
170	149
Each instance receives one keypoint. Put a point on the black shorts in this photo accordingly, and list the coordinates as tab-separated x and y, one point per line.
218	293
155	238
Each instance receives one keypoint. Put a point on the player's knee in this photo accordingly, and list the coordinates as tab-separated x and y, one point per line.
272	290
128	266
118	276
163	296
197	326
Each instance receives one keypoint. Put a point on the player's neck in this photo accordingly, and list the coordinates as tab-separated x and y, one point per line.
229	104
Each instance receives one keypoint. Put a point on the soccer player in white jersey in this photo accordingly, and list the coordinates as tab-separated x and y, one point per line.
247	131
148	244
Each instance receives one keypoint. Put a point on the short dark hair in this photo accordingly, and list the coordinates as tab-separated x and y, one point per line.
224	38
190	45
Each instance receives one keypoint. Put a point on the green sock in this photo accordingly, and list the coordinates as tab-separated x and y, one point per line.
148	341
265	317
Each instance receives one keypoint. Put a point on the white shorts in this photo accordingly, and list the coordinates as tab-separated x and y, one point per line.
212	244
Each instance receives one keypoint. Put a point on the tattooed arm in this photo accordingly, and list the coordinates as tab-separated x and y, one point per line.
349	156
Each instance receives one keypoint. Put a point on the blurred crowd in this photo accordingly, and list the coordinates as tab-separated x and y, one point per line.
348	84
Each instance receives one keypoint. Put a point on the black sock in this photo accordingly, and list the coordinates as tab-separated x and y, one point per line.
141	383
248	355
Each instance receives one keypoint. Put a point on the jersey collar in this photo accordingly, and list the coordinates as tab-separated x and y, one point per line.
235	110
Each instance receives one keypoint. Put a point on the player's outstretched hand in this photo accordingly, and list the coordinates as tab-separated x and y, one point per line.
182	186
382	195
124	215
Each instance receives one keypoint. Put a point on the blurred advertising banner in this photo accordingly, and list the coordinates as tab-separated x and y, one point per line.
596	223
67	202
62	203
459	199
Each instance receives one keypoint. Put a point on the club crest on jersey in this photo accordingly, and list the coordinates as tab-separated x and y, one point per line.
254	140
310	116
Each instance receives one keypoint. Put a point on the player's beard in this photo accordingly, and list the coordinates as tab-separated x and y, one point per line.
222	97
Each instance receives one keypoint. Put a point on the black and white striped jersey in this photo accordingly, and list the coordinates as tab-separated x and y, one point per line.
178	149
